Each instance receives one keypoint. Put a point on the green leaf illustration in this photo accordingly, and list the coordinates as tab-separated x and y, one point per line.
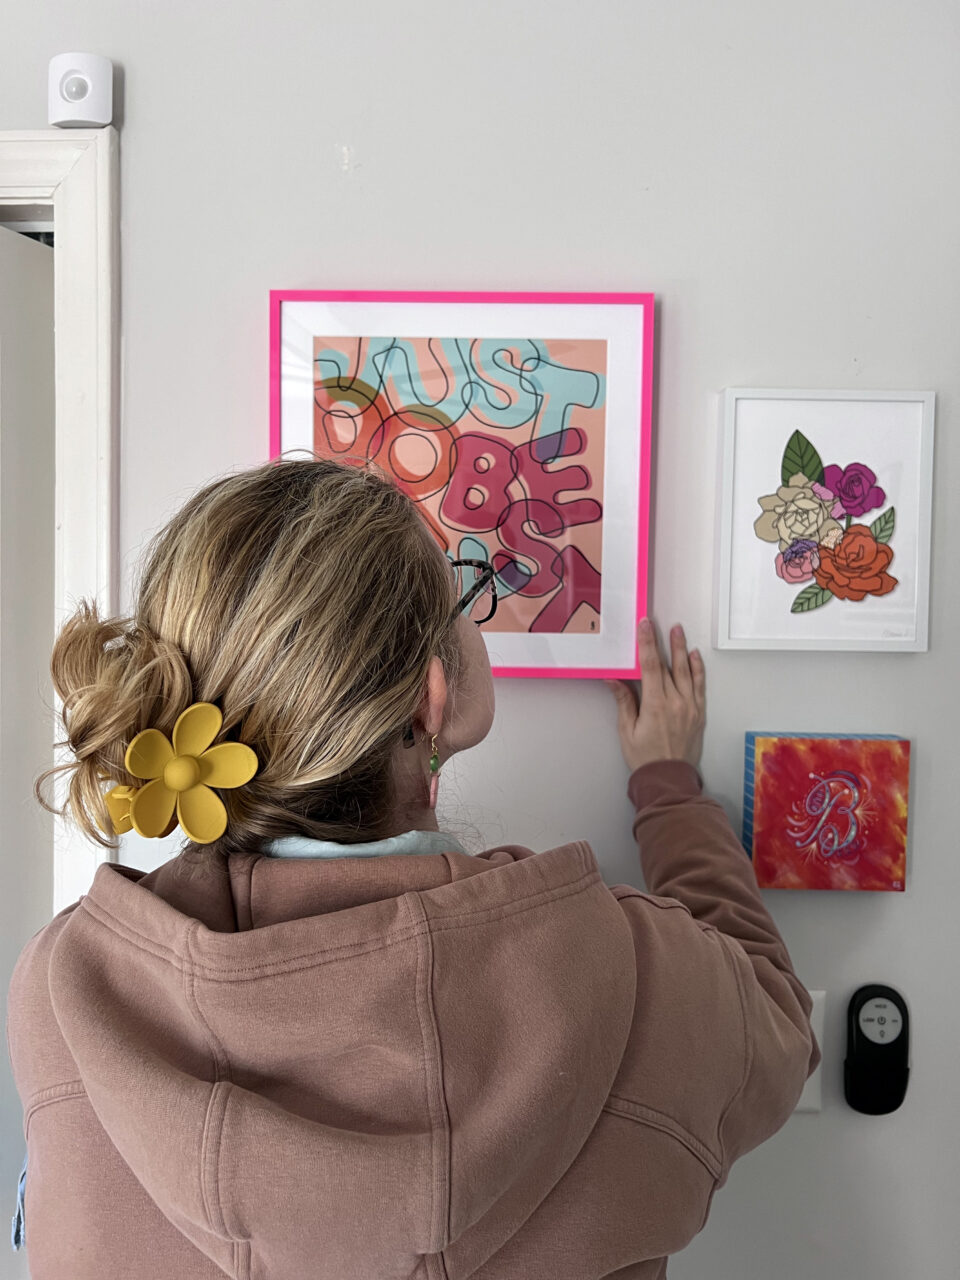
811	597
800	455
882	527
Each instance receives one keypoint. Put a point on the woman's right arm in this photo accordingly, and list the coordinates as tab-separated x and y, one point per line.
690	853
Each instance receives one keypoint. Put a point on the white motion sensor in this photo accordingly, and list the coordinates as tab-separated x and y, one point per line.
80	91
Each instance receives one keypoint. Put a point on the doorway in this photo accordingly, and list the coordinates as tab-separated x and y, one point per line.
59	385
26	616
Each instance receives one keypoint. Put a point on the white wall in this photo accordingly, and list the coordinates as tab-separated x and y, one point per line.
784	177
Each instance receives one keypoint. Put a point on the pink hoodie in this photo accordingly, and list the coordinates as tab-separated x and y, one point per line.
427	1066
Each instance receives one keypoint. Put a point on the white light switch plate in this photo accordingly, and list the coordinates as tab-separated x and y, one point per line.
810	1099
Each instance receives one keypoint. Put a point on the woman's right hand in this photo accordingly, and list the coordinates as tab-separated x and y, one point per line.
667	722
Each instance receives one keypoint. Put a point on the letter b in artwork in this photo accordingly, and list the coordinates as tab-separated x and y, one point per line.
477	496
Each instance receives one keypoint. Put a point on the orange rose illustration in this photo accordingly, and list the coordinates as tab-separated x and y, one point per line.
856	567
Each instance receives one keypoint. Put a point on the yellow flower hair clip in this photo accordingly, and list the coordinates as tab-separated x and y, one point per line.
179	777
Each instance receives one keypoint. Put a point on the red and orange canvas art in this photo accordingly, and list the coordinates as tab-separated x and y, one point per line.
826	812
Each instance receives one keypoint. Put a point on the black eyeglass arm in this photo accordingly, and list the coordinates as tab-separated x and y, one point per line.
486	578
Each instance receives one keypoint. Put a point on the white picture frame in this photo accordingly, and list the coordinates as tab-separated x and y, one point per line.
880	450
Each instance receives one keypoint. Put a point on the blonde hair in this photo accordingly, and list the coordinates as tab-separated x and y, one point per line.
306	599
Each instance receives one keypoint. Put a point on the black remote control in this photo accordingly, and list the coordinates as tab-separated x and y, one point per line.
878	1051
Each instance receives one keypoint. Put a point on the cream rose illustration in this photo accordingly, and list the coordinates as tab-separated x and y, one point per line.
796	512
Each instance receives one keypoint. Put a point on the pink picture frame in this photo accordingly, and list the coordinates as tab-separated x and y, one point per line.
554	426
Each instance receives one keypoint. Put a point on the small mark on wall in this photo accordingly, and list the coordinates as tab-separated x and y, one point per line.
346	157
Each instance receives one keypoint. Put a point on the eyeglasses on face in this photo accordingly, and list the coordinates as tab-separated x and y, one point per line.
476	587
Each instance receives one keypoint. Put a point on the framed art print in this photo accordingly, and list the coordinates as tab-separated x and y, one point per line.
826	811
824	519
519	423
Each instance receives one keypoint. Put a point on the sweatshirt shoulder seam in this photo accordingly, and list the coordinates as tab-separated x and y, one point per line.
65	1092
211	1140
747	1052
189	975
645	1115
659	901
465	917
434	1087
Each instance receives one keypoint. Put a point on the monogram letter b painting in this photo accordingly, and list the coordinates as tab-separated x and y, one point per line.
823	812
529	453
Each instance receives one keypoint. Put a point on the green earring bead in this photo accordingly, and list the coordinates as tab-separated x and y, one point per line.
434	772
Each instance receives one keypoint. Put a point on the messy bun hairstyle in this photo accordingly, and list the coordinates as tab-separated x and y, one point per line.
305	598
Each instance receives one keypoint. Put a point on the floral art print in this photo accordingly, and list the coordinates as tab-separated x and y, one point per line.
817	520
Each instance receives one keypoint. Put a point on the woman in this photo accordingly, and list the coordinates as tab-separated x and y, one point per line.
324	1041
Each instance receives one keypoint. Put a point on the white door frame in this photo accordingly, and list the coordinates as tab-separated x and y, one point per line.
76	172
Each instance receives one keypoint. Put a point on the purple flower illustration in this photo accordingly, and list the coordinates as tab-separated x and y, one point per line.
798	562
855	487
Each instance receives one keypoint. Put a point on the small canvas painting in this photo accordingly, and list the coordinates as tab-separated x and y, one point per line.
826	812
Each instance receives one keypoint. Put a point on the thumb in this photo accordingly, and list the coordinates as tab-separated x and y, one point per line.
627	705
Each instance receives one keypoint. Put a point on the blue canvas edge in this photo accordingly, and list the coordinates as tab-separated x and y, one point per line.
749	780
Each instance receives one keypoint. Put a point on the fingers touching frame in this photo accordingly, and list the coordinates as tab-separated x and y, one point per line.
699	673
653	676
686	674
628	704
680	662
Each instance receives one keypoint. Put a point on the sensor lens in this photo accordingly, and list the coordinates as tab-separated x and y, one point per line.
74	86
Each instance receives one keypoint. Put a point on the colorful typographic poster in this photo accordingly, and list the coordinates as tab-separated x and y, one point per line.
499	441
824	812
527	454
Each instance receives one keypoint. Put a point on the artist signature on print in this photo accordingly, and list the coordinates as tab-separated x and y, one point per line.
828	820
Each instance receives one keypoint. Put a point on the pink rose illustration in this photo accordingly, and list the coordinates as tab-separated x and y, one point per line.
855	487
798	562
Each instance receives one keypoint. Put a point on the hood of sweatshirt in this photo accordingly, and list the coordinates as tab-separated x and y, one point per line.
360	1060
